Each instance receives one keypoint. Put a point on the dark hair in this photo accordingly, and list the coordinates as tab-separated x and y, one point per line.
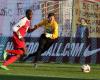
83	19
28	11
51	14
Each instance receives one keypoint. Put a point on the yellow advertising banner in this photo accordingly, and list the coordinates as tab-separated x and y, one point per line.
90	11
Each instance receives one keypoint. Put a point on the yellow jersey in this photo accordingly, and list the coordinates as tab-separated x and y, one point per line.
51	28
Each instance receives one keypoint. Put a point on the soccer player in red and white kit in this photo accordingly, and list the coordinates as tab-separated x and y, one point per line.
19	31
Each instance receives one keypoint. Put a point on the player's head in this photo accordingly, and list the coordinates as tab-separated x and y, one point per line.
51	17
29	14
83	21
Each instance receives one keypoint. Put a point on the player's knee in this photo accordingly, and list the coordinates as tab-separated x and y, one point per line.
21	52
18	56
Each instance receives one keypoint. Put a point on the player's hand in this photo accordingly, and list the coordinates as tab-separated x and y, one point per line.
21	38
19	35
32	29
48	35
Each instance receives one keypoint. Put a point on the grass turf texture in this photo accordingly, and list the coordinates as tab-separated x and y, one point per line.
49	71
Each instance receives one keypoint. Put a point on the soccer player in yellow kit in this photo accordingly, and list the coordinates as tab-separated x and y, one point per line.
47	38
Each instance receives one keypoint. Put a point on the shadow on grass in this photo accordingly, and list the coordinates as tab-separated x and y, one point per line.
16	77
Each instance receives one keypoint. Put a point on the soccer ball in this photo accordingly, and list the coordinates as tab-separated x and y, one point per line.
85	68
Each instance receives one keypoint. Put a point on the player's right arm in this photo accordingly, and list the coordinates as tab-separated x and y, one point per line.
18	26
41	23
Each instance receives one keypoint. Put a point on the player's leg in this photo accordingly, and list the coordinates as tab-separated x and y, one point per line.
11	60
4	55
42	42
43	48
48	44
17	51
29	56
18	45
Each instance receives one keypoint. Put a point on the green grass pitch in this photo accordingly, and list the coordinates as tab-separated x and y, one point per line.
49	71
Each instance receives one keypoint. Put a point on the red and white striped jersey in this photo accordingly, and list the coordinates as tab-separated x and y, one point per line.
22	26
